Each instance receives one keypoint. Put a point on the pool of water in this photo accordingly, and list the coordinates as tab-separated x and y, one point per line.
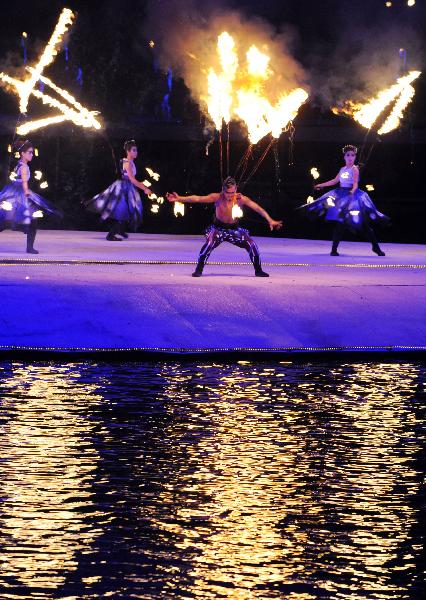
200	480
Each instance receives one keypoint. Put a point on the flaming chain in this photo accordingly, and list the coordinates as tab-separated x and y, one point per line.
73	111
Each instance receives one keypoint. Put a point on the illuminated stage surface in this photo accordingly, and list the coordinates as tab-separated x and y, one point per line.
82	292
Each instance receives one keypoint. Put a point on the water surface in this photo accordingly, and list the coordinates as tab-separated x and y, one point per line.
200	480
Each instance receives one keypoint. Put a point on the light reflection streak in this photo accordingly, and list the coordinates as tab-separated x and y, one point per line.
279	494
48	515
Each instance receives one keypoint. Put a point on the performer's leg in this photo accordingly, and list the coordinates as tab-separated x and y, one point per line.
122	230
212	242
31	234
337	236
112	233
243	240
371	237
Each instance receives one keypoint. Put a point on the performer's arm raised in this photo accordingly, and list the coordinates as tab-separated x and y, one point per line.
244	200
174	197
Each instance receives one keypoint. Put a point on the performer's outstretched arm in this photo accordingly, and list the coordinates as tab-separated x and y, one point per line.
254	206
174	197
318	186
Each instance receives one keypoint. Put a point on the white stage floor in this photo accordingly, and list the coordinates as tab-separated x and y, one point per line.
84	293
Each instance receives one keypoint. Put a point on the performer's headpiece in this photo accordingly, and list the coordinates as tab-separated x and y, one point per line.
228	182
128	145
22	144
349	148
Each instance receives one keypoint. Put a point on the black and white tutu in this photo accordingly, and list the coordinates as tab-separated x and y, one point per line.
121	201
18	211
353	210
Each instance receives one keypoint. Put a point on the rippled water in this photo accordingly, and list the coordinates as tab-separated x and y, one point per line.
245	480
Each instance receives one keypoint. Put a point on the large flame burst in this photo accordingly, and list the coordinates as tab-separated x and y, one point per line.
239	91
73	111
400	95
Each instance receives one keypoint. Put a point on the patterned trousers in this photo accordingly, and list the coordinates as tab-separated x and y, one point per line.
216	234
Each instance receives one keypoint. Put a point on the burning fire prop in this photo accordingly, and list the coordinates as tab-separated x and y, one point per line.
397	96
73	111
239	91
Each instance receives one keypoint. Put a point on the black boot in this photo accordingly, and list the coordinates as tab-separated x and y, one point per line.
198	269
122	230
376	248
259	272
115	228
334	249
31	234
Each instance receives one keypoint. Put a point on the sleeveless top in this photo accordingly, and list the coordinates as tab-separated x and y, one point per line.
18	170
346	177
124	174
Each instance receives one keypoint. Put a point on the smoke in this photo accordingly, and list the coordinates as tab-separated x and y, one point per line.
186	39
362	58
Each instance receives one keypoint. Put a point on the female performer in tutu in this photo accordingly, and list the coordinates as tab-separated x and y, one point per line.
348	206
20	207
121	202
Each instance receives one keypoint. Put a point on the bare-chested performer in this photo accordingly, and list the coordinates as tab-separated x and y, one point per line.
225	227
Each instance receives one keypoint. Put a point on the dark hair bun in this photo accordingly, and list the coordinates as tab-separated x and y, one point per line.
349	148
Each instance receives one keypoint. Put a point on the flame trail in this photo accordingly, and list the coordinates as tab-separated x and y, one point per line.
368	114
25	88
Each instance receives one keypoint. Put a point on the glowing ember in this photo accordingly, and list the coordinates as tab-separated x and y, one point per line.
179	208
309	200
155	208
160	200
330	201
153	196
239	92
369	187
38	175
367	114
147	183
315	173
38	214
5	205
13	176
44	185
155	176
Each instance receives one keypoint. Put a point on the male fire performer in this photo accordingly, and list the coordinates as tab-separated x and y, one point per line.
225	226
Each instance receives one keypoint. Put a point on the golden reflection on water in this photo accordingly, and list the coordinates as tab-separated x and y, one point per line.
290	496
45	479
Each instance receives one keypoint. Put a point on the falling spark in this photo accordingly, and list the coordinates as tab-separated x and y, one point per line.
367	114
309	200
151	43
160	200
330	201
155	208
155	176
147	183
36	151
237	213
9	148
179	208
24	34
44	185
38	175
38	214
153	196
315	173
411	2
13	176
369	187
